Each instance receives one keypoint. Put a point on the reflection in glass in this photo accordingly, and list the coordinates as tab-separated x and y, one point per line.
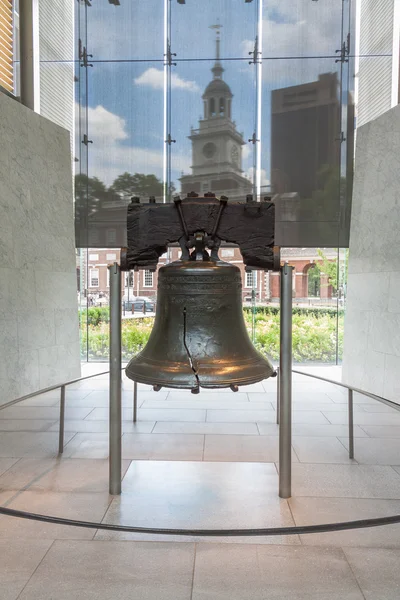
229	97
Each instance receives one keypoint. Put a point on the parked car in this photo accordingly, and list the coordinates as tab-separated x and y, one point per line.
142	305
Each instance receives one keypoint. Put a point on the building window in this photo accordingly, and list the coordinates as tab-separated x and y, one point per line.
111	236
93	257
111	257
93	237
205	187
148	278
251	279
221	107
228	252
94	278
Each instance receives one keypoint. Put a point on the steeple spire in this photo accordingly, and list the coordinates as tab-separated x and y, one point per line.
217	69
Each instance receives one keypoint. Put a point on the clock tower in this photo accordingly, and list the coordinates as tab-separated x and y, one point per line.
216	144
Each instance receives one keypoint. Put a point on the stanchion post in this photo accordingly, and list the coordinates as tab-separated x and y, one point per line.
115	424
62	421
278	394
351	425
134	401
285	384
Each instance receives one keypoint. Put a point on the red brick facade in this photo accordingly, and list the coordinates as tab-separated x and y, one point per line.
144	283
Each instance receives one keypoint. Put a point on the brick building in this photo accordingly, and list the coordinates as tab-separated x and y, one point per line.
94	276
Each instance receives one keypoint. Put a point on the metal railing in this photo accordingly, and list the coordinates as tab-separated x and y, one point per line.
351	389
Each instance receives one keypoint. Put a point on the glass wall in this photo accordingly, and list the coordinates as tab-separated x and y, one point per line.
230	96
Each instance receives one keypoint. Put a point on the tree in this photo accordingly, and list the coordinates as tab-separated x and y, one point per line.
138	184
337	277
89	192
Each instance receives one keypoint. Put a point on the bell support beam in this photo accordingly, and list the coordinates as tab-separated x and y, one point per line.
115	423
285	384
152	227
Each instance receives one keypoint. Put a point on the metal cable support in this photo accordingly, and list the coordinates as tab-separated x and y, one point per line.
268	531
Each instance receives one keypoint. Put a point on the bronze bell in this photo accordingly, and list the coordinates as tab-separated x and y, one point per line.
199	338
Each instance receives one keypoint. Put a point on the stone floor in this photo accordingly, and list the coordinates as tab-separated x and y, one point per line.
206	461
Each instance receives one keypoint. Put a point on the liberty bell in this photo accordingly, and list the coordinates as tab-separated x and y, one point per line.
199	338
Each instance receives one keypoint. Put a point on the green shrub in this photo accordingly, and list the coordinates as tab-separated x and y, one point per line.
95	315
314	335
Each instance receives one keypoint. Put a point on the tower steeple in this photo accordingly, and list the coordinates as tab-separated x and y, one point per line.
217	95
217	69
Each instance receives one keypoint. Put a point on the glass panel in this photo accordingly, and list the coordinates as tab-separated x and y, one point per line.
212	120
236	19
127	31
301	149
179	138
295	28
125	149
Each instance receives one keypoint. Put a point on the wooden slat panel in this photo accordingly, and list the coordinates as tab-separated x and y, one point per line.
6	45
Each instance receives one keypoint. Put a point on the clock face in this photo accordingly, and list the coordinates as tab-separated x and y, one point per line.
209	150
235	155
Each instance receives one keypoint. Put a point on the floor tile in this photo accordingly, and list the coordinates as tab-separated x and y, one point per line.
274	572
207	428
320	450
75	475
246	448
376	451
27	425
91	384
303	429
97	399
91	426
382	431
379	407
341	481
149	414
6	464
19	559
315	511
31	443
227	573
245	416
377	571
207	404
306	574
327	409
82	506
162	446
357	398
102	398
89	445
43	412
208	397
364	418
198	495
113	570
25	472
260	416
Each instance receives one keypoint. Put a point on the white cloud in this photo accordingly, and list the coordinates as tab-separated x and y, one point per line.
298	29
246	151
264	179
154	78
105	126
108	157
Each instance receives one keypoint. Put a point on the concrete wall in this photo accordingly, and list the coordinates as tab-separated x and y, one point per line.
39	338
372	323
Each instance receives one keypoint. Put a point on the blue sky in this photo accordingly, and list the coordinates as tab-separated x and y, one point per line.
126	98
